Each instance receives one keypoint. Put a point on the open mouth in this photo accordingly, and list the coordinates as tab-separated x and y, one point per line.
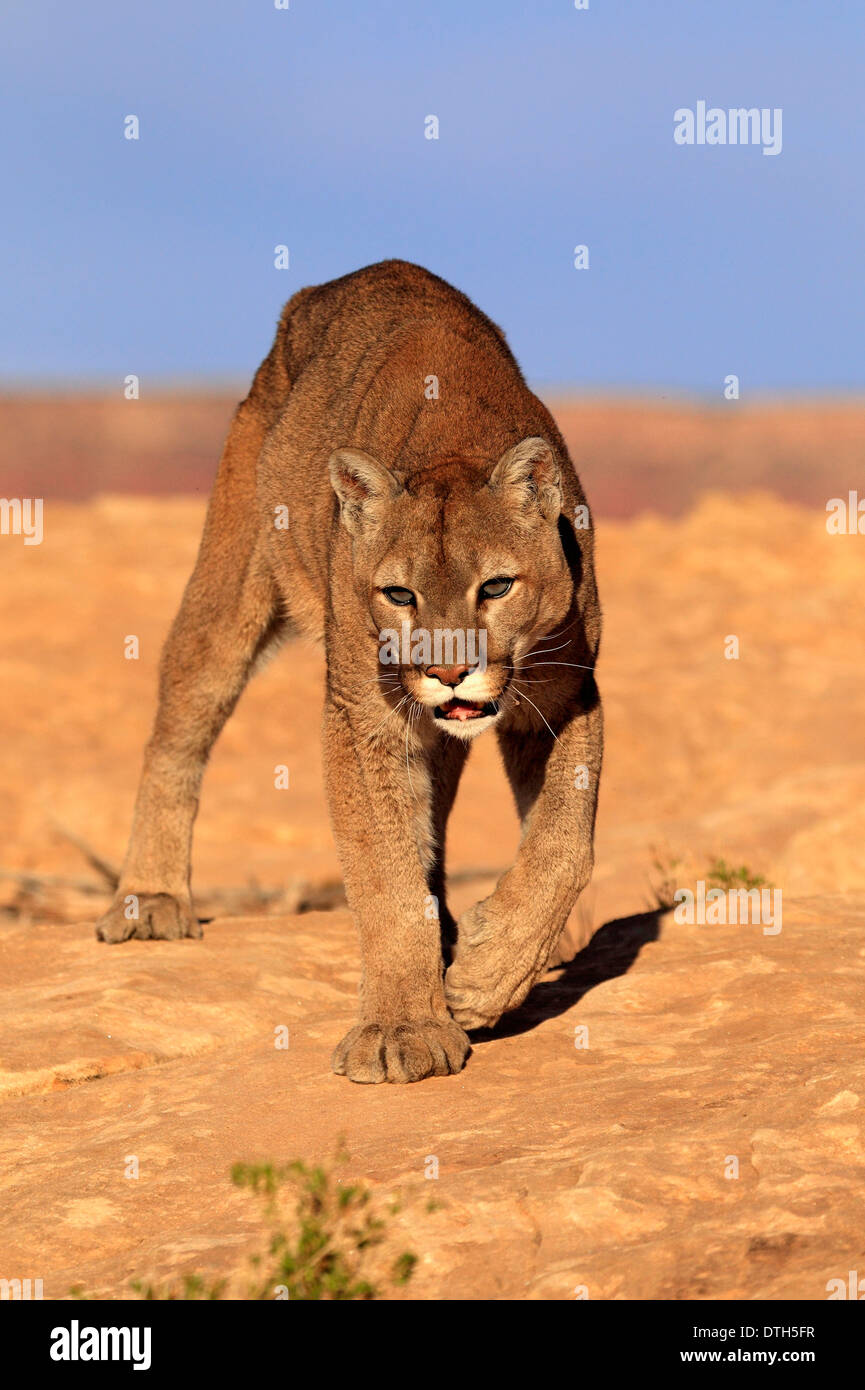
465	709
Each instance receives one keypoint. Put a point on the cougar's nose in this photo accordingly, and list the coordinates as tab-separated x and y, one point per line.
448	675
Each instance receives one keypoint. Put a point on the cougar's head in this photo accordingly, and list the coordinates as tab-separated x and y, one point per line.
462	570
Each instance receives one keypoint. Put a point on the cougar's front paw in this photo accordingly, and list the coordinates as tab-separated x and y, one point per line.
474	1003
485	979
160	917
374	1052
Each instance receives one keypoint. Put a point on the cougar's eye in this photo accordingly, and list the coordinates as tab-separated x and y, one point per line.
495	588
401	597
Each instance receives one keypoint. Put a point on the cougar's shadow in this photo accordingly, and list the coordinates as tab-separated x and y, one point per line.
610	953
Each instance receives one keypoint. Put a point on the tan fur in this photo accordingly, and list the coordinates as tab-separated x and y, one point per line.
388	489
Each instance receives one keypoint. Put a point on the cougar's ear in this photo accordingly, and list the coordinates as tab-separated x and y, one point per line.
364	488
528	477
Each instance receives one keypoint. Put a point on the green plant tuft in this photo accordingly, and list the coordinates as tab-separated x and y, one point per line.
326	1248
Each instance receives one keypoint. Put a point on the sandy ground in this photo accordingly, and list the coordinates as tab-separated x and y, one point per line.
560	1167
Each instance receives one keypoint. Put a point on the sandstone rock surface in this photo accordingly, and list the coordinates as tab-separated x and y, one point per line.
704	1052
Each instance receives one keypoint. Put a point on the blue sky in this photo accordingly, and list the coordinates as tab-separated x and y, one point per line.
306	128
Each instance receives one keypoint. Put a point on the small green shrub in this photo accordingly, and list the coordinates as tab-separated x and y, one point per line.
670	871
720	875
329	1247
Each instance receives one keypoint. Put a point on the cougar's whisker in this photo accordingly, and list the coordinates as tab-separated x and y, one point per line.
534	707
